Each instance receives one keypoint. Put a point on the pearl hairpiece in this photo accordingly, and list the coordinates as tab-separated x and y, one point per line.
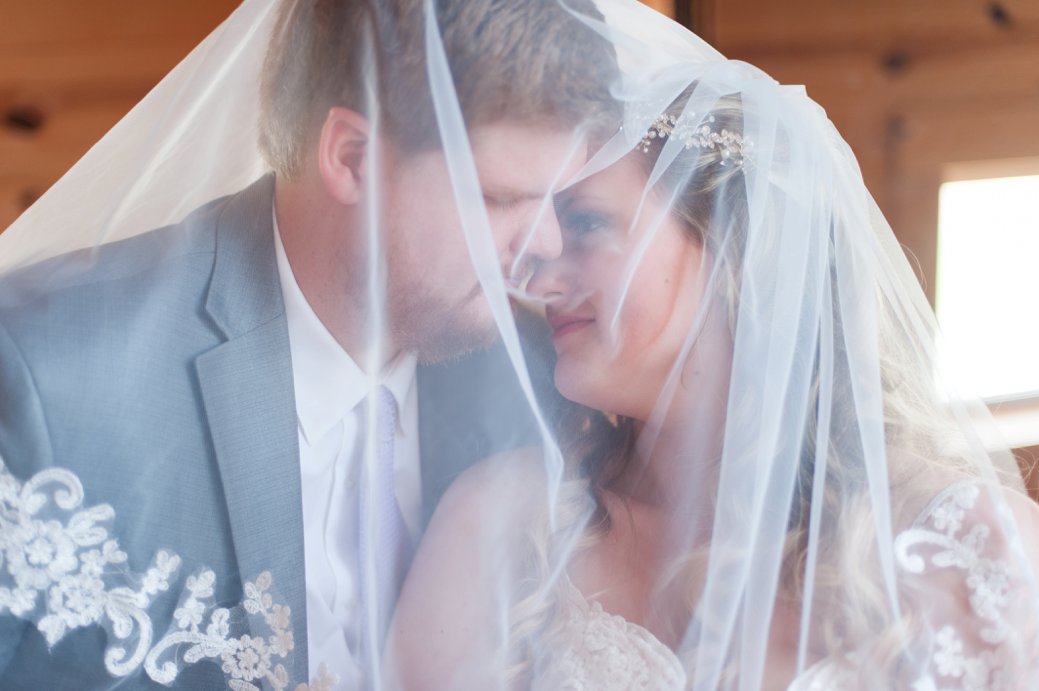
732	146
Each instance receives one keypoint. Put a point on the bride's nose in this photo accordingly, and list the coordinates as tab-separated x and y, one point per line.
550	281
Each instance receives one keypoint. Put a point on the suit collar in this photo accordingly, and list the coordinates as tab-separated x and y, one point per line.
245	292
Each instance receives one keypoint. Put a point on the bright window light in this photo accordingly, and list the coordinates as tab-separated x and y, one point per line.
987	292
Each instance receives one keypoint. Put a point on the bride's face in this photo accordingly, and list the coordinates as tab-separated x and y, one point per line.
623	296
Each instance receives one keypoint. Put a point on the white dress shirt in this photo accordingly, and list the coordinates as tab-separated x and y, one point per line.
331	409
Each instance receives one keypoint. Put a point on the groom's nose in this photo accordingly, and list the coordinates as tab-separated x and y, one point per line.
543	240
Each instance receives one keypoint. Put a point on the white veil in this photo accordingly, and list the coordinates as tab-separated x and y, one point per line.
749	464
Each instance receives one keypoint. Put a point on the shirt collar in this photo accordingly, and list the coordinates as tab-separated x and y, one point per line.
328	383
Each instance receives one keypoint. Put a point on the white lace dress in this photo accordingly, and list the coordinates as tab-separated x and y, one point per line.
606	652
954	539
600	651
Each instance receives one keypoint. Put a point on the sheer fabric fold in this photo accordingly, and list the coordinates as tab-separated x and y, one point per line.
679	422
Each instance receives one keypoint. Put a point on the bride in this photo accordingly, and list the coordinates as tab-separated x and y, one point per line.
764	484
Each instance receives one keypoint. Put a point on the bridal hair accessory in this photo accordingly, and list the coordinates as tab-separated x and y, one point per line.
732	147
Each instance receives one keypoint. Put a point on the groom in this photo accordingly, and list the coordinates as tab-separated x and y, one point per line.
210	381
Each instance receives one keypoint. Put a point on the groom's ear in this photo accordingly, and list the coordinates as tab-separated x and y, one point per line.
342	154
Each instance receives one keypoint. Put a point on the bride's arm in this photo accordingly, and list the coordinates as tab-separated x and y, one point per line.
972	562
448	631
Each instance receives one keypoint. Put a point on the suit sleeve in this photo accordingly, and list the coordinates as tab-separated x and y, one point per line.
24	449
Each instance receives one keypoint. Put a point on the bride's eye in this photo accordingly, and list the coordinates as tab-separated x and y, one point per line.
581	222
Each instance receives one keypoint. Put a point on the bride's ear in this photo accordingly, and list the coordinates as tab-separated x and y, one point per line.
342	154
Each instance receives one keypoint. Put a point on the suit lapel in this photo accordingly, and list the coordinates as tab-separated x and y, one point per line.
247	387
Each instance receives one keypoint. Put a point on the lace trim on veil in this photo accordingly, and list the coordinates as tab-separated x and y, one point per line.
61	569
957	536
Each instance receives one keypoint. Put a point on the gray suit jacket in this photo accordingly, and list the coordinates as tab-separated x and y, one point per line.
158	371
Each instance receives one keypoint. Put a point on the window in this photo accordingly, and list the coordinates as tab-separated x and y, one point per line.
987	287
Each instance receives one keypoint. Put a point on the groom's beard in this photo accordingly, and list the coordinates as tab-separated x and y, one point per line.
436	330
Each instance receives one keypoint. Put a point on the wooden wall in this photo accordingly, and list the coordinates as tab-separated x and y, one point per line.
70	69
913	85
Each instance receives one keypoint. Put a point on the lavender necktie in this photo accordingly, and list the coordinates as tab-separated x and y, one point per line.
384	543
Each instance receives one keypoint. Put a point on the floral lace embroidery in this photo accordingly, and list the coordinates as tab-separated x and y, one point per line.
54	559
605	652
597	650
54	567
244	660
948	541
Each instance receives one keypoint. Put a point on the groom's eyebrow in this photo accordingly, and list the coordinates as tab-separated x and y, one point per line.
514	193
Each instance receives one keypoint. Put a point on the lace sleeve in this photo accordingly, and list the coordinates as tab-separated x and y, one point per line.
974	586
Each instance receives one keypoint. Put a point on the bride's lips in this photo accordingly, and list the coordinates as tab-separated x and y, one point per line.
564	324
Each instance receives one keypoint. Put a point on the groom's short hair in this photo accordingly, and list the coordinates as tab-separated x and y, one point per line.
516	60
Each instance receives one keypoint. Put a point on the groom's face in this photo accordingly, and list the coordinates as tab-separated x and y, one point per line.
436	301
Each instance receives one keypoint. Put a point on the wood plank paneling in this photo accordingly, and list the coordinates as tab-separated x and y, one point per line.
81	67
1005	70
69	128
1028	461
69	70
78	44
888	70
821	25
868	100
62	22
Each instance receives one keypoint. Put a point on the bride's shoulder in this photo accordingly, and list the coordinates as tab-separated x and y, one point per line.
977	538
507	487
968	564
968	501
